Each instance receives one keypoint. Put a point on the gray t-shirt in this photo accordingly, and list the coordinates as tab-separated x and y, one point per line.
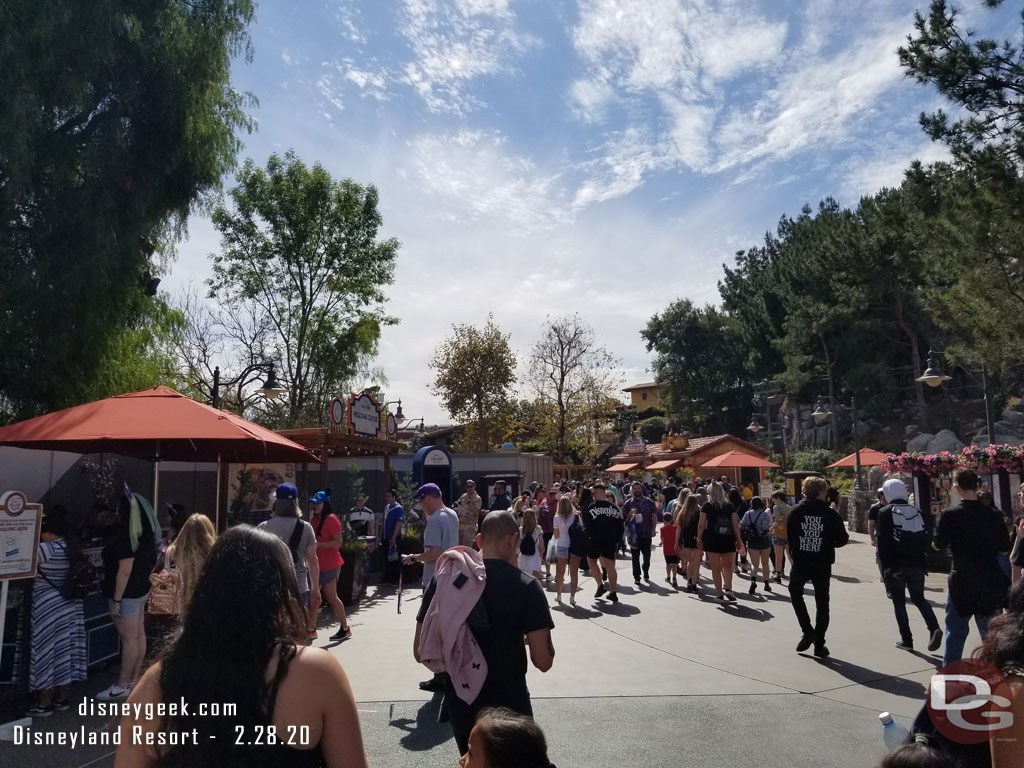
282	527
441	530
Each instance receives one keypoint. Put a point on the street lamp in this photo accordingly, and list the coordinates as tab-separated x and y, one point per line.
821	414
934	377
270	389
419	429
399	416
755	425
821	411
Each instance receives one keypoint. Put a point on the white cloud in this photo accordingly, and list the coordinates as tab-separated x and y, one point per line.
454	46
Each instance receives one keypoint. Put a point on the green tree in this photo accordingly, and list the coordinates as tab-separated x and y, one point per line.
570	371
699	357
982	76
475	369
116	119
304	250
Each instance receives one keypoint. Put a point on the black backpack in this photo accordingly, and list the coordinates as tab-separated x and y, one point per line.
82	580
577	537
527	545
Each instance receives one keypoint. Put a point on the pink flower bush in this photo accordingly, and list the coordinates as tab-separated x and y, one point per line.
991	458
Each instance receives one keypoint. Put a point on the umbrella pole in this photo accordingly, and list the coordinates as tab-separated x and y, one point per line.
156	477
216	505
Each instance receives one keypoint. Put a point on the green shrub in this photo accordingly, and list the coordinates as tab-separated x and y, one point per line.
813	460
653	429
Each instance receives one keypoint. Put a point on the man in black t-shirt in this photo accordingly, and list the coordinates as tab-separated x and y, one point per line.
976	535
514	606
604	525
669	494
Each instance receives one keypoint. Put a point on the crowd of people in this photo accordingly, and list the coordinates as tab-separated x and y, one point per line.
485	614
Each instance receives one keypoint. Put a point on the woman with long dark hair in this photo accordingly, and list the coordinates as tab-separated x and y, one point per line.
1003	648
293	704
128	559
327	528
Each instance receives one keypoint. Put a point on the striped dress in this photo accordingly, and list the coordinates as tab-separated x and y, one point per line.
58	625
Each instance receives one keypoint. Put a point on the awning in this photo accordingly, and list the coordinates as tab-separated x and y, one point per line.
623	467
665	465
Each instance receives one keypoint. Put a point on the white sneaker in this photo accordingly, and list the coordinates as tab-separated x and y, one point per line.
112	693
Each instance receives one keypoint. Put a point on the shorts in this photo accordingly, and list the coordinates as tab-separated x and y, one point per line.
326	577
130	606
562	553
689	542
776	541
762	543
671	559
721	544
597	550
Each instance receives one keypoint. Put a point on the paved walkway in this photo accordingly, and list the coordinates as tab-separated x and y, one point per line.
661	678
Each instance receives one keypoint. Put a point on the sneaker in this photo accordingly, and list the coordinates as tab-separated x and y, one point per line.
767	587
721	599
692	587
668	579
805	642
39	712
61	706
904	646
935	639
821	651
753	588
647	578
778	577
730	596
601	589
311	635
112	693
572	600
433	685
612	597
342	634
637	582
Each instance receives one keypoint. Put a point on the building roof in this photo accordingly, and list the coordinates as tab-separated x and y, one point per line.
697	446
645	385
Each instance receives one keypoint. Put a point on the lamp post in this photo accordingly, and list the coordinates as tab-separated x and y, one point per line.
822	413
934	377
755	426
270	389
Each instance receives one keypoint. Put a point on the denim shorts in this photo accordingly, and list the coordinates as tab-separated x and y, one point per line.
326	577
130	607
561	553
779	542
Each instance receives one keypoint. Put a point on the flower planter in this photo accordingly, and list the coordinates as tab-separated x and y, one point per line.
351	581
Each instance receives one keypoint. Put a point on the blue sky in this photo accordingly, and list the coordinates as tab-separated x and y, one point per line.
540	157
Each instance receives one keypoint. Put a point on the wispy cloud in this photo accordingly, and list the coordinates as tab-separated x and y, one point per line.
453	46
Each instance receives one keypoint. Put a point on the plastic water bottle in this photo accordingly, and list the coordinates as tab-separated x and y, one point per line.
893	734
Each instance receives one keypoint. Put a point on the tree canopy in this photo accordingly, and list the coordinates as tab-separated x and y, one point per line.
475	370
302	251
116	119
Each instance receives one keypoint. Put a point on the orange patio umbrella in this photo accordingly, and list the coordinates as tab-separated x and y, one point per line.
738	459
158	424
869	457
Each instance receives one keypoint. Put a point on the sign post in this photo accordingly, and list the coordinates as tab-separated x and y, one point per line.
19	545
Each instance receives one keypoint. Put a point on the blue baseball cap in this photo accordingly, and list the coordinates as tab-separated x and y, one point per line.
320	497
287	491
428	489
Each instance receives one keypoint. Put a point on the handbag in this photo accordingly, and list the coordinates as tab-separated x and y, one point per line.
552	553
164	599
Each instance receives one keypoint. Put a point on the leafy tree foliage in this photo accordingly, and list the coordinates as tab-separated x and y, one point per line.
475	370
116	119
303	250
699	356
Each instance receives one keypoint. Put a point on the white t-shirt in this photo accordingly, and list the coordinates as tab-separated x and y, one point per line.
562	526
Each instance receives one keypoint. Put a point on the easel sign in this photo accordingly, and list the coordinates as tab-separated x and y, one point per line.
19	544
19	536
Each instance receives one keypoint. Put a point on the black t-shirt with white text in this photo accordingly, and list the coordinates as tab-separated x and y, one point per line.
604	524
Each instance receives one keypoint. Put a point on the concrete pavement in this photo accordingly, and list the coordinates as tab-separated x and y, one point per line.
662	678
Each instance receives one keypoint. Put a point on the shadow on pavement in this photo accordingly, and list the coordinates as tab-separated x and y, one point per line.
869	678
619	609
847	579
746	612
425	732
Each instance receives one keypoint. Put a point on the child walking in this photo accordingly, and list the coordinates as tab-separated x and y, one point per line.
669	539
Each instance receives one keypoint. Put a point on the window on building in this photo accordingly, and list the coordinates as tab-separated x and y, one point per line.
643	395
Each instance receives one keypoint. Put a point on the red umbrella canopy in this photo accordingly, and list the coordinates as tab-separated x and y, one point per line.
738	459
154	422
869	457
